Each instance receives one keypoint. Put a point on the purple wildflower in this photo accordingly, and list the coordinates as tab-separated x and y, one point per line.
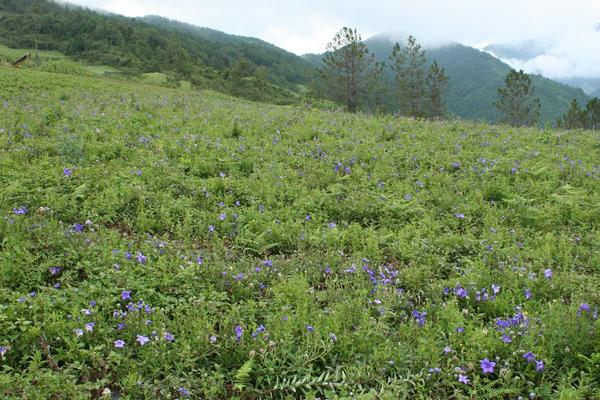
142	259
584	307
463	379
222	216
529	356
126	295
55	270
78	332
89	327
239	332
539	366
142	340
78	228
212	339
119	344
460	215
211	228
487	366
461	293
527	294
168	337
3	350
67	172
548	273
333	337
20	210
183	392
310	328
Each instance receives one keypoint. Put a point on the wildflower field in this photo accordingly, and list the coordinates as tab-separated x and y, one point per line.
161	244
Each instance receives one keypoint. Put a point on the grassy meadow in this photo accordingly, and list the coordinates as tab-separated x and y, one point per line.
162	243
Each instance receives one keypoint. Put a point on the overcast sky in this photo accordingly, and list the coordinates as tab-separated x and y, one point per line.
305	26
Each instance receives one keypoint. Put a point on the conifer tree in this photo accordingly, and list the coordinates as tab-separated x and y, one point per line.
409	65
437	82
592	114
348	68
516	101
575	118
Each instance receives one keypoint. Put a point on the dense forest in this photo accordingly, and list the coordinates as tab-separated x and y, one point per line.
241	66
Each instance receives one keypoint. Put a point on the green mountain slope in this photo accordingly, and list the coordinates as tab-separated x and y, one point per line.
152	44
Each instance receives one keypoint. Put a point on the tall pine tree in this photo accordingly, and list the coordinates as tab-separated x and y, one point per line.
348	68
516	101
408	63
437	82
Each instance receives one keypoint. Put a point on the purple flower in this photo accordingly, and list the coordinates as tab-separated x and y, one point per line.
461	293
506	339
78	332
487	366
527	294
268	263
307	218
119	344
142	259
89	327
460	329
456	164
460	215
419	317
126	295
183	392
333	337
447	350
310	328
548	273
67	171
3	350
20	210
495	289
168	337
55	270
407	197
222	216
529	356
434	370
539	366
463	379
212	339
78	228
239	277
211	228
332	225
584	307
199	260
239	332
142	340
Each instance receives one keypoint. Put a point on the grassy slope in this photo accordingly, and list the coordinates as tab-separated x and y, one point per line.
154	168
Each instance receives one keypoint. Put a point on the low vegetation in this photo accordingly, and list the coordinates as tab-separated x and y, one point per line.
167	243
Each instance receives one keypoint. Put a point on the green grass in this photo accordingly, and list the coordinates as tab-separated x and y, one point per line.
211	196
10	54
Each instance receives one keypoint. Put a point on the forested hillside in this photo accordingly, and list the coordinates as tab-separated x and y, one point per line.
242	66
